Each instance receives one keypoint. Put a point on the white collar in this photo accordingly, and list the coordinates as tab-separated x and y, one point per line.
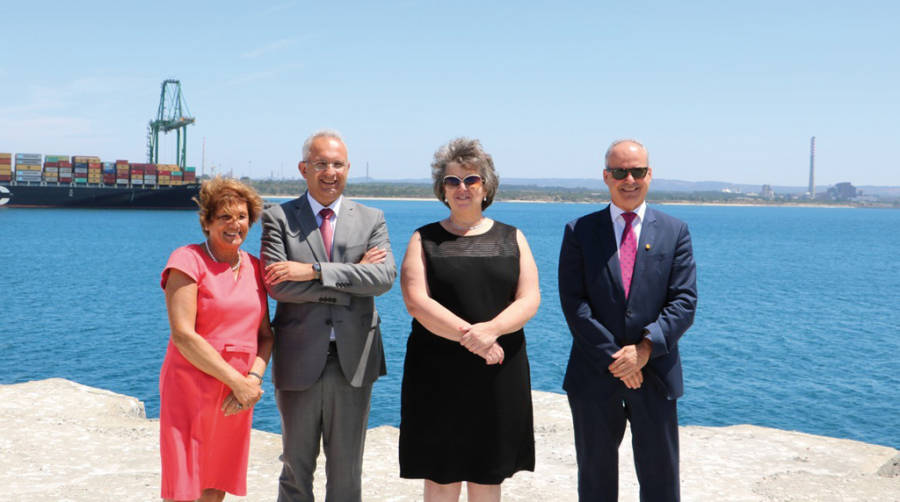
616	211
316	206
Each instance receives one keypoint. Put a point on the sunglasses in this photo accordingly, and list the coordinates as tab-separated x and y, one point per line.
470	181
620	173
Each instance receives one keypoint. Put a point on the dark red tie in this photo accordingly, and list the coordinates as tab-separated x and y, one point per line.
627	251
326	230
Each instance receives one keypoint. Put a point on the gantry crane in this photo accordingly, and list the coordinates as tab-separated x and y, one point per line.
173	114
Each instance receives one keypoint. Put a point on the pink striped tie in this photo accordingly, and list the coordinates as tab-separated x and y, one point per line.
326	230
627	252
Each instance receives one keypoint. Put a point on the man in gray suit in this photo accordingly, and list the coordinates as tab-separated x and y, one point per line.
326	258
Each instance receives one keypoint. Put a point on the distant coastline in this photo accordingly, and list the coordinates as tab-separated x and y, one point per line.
600	201
590	192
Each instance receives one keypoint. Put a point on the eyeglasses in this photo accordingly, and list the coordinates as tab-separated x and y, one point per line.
471	181
620	173
322	165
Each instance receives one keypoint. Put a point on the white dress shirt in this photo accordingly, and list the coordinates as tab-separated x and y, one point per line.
316	207
618	222
336	207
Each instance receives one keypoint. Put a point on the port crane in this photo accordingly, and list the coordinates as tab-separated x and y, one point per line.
172	115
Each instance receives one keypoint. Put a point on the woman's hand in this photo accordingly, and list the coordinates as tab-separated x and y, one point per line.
244	395
231	406
479	337
494	354
282	271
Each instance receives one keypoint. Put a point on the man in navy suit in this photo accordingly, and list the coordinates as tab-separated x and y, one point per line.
628	288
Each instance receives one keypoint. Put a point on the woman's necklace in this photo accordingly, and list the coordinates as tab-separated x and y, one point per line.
234	268
463	228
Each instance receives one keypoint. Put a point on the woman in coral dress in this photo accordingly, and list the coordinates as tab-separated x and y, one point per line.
218	350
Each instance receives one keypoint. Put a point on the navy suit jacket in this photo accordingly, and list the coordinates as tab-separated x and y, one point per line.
660	305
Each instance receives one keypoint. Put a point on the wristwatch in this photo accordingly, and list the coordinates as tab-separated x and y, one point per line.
317	270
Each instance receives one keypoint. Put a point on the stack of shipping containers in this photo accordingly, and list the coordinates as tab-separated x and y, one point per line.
122	172
167	172
95	171
65	171
177	175
79	169
109	173
164	175
83	169
28	168
150	175
5	167
137	174
51	167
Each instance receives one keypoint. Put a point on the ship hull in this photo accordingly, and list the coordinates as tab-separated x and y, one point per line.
99	196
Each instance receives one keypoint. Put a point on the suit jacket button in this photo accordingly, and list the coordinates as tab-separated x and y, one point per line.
328	322
628	313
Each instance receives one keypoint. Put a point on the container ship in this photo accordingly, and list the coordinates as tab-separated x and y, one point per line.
33	180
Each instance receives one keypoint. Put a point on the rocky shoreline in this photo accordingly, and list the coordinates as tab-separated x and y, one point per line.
66	441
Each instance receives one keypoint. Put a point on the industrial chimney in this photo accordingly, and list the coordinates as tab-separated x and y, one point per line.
812	167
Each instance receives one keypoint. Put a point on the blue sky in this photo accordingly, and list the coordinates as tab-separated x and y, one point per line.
726	91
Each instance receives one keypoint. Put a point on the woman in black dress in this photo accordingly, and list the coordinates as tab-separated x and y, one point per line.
470	284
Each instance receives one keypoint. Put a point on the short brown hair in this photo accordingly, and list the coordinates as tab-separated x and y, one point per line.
220	192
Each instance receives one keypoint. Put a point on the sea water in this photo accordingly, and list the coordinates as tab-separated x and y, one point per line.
797	324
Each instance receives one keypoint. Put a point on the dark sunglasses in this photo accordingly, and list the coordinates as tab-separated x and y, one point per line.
470	181
620	173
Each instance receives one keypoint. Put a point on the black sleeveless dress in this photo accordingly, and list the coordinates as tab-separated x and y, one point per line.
460	419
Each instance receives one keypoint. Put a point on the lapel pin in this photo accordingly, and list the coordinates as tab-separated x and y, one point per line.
647	247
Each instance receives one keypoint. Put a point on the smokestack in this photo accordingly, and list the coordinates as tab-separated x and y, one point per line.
812	167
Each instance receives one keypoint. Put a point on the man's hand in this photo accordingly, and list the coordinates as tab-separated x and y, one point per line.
634	380
374	255
288	271
629	360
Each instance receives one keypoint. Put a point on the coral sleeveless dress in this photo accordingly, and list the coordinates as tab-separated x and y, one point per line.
200	447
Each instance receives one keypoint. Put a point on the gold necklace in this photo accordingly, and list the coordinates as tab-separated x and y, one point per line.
234	268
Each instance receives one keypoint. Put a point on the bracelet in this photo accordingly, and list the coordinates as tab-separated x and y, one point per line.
257	375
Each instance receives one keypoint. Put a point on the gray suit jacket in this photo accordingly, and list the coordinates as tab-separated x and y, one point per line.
343	300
